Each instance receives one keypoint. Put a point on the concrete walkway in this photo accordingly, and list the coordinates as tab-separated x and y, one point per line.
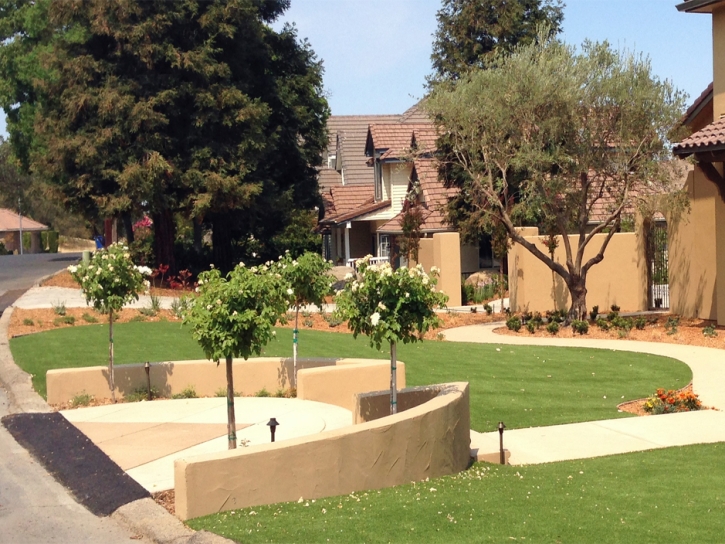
599	438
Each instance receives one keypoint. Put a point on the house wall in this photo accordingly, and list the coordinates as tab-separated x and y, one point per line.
400	178
621	278
425	441
360	239
447	257
718	59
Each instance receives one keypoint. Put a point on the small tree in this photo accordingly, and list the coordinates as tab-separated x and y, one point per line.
309	282
235	316
391	306
110	281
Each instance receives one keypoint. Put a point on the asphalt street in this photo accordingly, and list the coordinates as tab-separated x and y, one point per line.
20	272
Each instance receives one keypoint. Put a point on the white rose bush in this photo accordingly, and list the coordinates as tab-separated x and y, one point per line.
234	316
390	306
109	281
309	281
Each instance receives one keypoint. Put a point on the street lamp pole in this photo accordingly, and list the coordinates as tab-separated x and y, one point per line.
20	216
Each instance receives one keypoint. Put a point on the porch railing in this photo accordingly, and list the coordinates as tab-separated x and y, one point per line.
373	260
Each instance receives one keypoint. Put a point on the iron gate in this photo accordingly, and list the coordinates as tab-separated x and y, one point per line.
657	274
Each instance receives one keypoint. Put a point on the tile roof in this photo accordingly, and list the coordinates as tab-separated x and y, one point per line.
415	114
710	138
349	202
398	138
698	104
10	221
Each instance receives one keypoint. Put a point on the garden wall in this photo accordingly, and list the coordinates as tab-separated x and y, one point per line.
424	441
621	278
333	381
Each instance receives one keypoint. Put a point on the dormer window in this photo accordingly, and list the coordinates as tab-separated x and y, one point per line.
378	166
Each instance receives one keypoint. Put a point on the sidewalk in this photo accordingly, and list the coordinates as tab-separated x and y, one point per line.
609	437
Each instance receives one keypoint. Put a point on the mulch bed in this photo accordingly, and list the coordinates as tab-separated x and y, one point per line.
70	457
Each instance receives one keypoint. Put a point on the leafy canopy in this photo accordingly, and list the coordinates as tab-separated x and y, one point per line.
390	305
308	276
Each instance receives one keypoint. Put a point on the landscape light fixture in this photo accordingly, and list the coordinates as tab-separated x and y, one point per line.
147	367
501	427
272	426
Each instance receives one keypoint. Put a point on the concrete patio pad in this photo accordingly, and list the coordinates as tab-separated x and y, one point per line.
145	438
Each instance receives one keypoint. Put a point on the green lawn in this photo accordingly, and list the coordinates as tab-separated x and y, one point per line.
671	495
522	386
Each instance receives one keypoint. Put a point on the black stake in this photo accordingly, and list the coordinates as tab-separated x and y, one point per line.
147	366
501	427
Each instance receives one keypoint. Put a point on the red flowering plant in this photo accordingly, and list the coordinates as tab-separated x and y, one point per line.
670	401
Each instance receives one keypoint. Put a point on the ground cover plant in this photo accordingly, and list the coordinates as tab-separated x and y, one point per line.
521	385
672	495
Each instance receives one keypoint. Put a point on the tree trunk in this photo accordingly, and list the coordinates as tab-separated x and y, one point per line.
128	227
231	418
578	292
295	332
221	240
393	379
111	379
164	239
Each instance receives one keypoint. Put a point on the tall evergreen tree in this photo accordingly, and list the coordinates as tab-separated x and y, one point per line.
470	32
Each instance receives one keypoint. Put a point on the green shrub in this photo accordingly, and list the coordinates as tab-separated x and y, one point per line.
59	307
614	308
222	392
666	402
308	322
52	241
640	323
537	319
531	326
553	327
709	332
594	313
88	318
622	323
138	318
526	317
611	316
28	322
142	393
65	320
602	323
179	306
467	291
188	393
580	326
262	393
3	249
332	320
557	316
514	323
147	312
488	309
671	324
81	399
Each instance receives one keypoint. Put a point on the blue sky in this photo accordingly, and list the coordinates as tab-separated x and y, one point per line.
376	53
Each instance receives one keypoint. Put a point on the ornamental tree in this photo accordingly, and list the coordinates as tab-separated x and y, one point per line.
555	135
109	281
390	306
234	316
309	282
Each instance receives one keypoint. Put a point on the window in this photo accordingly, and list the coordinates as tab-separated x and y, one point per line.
378	180
384	246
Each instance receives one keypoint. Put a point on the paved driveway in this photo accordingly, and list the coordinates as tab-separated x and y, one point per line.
20	272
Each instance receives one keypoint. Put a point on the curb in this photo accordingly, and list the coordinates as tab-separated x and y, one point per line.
143	516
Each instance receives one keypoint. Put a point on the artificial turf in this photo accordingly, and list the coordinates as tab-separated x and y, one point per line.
670	495
521	385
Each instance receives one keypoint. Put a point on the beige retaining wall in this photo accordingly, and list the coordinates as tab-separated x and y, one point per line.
334	381
424	441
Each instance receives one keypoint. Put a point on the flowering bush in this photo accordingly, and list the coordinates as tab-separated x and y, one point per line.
309	281
666	402
235	315
390	306
109	281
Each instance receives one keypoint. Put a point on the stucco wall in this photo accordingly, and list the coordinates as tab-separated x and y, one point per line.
621	278
426	441
271	373
718	48
447	257
376	404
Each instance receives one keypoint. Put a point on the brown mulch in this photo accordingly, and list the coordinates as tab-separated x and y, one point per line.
166	499
64	279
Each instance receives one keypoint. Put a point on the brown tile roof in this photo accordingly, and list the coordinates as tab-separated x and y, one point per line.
415	114
710	138
398	138
697	105
10	221
349	202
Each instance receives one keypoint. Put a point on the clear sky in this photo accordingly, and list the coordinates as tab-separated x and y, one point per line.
376	53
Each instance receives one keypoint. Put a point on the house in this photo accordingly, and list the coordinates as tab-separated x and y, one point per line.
376	168
12	224
697	245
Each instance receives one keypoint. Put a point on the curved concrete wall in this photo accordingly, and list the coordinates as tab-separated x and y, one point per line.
334	381
425	441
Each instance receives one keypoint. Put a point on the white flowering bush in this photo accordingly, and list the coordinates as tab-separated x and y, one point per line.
390	306
109	281
234	316
309	281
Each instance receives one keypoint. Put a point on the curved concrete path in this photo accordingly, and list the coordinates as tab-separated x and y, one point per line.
608	437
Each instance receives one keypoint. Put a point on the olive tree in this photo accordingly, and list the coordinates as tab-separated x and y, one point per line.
390	306
234	316
551	133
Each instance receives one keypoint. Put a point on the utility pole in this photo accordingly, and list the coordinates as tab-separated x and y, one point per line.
20	216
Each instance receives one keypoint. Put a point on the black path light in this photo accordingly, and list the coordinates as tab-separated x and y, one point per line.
147	367
272	426
501	427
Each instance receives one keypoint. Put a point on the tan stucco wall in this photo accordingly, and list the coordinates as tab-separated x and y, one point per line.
718	59
692	255
621	278
427	441
271	373
447	257
425	253
376	404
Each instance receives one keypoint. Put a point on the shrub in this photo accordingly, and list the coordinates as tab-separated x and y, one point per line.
709	332
622	323
308	322
28	322
611	316
514	323
3	249
580	326
65	320
179	306
488	309
138	318
614	308
142	393
602	323
81	399
467	291
671	324
88	318
262	393
531	326
640	323
594	313
526	316
537	319
188	393
666	402
332	320
59	307
558	316
553	327
147	312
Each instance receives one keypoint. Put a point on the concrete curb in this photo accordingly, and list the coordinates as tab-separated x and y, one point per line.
144	516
